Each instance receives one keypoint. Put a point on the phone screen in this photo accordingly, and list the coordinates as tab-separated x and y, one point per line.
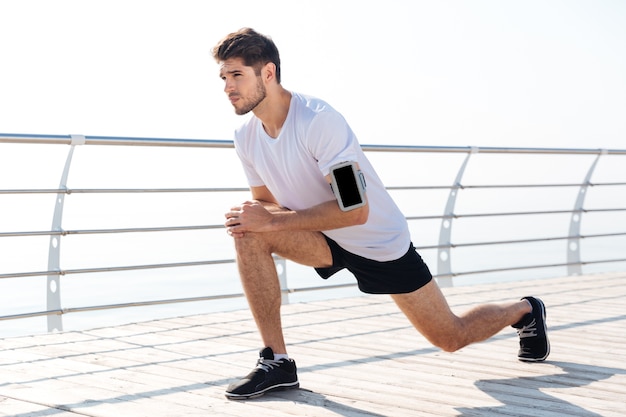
346	183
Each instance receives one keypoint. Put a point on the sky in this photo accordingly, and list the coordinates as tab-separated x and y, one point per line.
537	73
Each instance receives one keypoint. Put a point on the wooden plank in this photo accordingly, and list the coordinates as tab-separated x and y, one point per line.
10	407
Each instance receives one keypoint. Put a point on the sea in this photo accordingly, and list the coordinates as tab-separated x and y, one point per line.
40	167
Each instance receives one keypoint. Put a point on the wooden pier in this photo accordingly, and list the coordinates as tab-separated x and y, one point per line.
356	357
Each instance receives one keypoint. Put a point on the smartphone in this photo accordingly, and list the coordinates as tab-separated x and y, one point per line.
348	185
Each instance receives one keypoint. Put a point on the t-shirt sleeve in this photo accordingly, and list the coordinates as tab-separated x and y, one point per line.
254	180
331	140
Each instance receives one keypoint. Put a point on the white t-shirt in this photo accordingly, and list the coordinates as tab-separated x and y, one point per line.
293	167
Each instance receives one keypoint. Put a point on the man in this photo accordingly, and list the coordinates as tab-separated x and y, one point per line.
287	150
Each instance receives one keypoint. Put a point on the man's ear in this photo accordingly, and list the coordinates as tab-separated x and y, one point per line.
268	72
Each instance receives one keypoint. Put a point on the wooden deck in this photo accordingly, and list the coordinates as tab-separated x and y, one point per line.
356	357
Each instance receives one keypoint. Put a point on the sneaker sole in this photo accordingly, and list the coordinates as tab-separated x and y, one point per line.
545	331
257	394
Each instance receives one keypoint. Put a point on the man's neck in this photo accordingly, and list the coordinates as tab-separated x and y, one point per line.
273	111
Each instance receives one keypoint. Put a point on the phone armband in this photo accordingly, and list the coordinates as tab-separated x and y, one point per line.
348	185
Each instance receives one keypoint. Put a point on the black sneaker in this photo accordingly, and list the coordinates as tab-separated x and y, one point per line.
533	333
269	375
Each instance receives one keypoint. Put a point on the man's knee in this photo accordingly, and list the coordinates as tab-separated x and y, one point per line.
448	344
450	339
252	243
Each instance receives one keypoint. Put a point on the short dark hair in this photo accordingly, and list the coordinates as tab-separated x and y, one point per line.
255	49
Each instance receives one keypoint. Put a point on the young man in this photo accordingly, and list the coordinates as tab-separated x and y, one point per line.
288	149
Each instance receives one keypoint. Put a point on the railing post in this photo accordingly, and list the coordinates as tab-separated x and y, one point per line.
53	284
574	264
444	253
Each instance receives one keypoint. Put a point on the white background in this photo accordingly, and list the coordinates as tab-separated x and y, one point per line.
547	73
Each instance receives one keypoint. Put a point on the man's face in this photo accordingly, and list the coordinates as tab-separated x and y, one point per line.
244	88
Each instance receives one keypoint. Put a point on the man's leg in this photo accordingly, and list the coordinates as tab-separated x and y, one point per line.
260	283
260	279
428	310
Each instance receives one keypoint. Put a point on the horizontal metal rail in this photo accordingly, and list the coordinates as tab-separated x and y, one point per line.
123	190
590	184
35	233
497	186
517	241
245	189
120	305
111	231
512	213
113	141
116	268
490	149
209	143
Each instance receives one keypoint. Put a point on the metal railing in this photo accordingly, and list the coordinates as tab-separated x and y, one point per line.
444	247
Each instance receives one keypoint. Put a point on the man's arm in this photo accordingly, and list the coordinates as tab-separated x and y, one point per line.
263	214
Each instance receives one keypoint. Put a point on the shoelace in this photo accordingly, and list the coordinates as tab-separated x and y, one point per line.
530	330
267	364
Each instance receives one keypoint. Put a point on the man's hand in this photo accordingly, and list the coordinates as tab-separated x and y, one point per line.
250	216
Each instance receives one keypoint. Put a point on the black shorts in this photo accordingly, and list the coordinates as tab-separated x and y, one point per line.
402	275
